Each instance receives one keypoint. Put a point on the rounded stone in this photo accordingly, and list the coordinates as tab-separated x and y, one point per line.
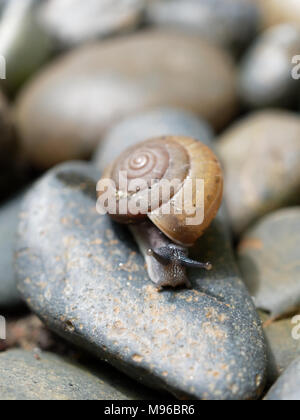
283	339
83	275
63	112
72	22
228	23
269	257
261	157
150	124
278	11
23	43
266	72
9	212
287	388
46	376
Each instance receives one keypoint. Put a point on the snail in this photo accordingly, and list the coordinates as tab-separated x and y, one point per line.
165	225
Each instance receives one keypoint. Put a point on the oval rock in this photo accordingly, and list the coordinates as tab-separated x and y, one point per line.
287	388
72	22
83	275
64	112
268	76
228	23
261	156
269	257
46	376
154	123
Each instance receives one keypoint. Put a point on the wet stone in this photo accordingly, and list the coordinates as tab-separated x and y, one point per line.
83	275
228	23
265	78
72	22
155	123
287	388
283	339
63	113
261	157
23	43
269	257
9	212
46	376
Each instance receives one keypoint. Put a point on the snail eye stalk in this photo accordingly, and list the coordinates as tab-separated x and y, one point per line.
167	255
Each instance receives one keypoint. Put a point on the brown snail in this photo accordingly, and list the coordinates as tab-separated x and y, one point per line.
165	225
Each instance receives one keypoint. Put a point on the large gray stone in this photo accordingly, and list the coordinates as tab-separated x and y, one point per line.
155	123
64	112
287	388
83	275
45	376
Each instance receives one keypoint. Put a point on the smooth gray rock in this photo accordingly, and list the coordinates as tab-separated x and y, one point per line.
83	275
46	376
154	123
229	23
265	78
73	22
261	158
23	43
287	388
284	345
9	212
269	257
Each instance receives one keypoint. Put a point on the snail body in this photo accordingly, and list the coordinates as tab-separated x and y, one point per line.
166	225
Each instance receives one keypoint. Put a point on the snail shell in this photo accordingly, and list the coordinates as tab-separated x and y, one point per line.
169	158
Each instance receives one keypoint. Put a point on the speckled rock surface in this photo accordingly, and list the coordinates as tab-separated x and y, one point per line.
64	112
278	11
23	41
83	275
229	23
9	296
45	376
287	388
261	157
284	345
72	22
150	124
266	70
269	257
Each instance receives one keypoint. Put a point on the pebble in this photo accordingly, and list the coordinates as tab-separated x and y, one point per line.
155	123
43	376
9	212
64	112
228	23
287	388
23	44
84	277
266	71
72	22
261	158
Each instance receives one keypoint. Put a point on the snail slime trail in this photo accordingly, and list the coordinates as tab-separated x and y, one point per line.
162	228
